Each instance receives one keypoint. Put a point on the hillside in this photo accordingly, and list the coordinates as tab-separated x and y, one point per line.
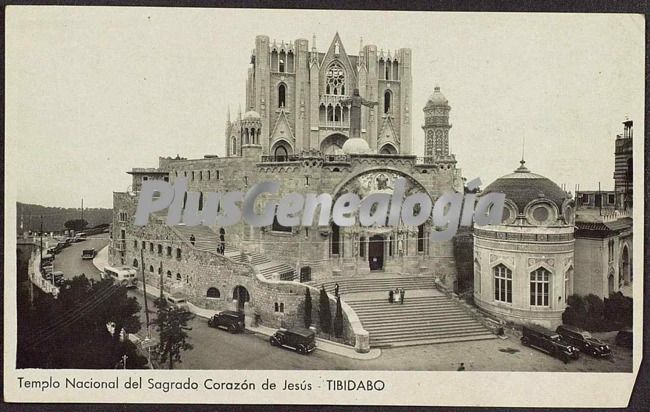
54	218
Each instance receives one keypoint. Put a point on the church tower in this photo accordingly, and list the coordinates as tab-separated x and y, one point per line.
623	167
436	127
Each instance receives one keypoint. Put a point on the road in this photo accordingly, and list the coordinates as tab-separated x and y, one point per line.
218	349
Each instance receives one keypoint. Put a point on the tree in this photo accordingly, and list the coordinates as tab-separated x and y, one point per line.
70	331
172	328
324	313
338	319
76	224
307	308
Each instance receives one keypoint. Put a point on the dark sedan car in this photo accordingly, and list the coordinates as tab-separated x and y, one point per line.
583	340
550	342
301	340
230	320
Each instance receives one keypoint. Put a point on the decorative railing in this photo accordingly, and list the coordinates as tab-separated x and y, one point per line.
296	158
281	159
429	160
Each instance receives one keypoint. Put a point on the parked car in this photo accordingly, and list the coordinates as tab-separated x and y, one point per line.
583	340
178	301
230	320
550	342
88	254
301	340
624	338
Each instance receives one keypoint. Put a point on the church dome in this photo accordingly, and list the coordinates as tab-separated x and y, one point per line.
252	115
523	187
437	98
356	145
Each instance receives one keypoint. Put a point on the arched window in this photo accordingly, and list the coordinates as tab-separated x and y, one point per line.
169	250
135	244
388	64
477	276
169	274
150	268
151	247
135	263
178	276
144	245
200	200
281	307
330	113
335	239
178	253
200	174
387	101
382	68
539	280
276	306
282	91
233	146
290	62
213	293
395	70
274	60
280	153
337	113
502	283
283	58
335	79
421	238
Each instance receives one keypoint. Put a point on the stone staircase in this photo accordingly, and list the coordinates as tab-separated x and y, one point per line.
385	283
206	239
419	320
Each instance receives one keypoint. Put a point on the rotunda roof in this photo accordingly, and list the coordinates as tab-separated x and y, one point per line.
522	187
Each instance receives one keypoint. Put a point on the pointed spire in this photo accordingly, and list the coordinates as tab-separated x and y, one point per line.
228	113
360	45
313	42
240	112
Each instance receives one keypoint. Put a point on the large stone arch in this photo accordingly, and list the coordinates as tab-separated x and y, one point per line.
280	144
333	144
413	185
388	148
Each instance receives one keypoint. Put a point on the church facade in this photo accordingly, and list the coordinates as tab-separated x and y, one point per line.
296	131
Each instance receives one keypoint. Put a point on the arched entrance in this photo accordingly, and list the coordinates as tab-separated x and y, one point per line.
281	150
333	144
376	252
241	294
626	274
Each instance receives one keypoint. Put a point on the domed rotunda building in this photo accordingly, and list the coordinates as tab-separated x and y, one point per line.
523	268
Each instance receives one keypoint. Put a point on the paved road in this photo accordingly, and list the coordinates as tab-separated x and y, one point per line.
218	349
69	259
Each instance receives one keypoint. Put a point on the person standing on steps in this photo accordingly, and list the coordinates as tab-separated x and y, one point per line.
336	290
461	367
396	295
401	296
192	239
222	240
390	296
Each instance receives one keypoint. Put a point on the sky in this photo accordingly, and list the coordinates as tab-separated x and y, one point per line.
92	92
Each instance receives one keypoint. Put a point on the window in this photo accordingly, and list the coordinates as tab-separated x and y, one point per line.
421	238
281	307
502	284
362	246
280	153
213	293
336	245
169	274
150	268
135	263
335	79
178	253
585	198
169	250
233	147
276	306
135	244
277	227
539	287
217	175
179	277
145	178
166	178
192	174
391	246
160	249
610	250
611	198
122	217
200	174
144	245
151	247
387	102
282	91
208	175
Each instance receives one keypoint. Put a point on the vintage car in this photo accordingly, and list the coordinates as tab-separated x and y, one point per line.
583	340
178	301
230	320
301	340
550	342
88	254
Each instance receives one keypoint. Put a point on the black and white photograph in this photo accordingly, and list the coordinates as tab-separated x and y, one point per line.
337	200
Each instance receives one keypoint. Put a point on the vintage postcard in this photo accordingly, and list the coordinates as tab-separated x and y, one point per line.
323	206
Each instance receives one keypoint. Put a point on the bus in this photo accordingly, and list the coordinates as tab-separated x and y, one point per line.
123	275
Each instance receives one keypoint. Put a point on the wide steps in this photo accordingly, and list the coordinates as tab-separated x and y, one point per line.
350	286
419	320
